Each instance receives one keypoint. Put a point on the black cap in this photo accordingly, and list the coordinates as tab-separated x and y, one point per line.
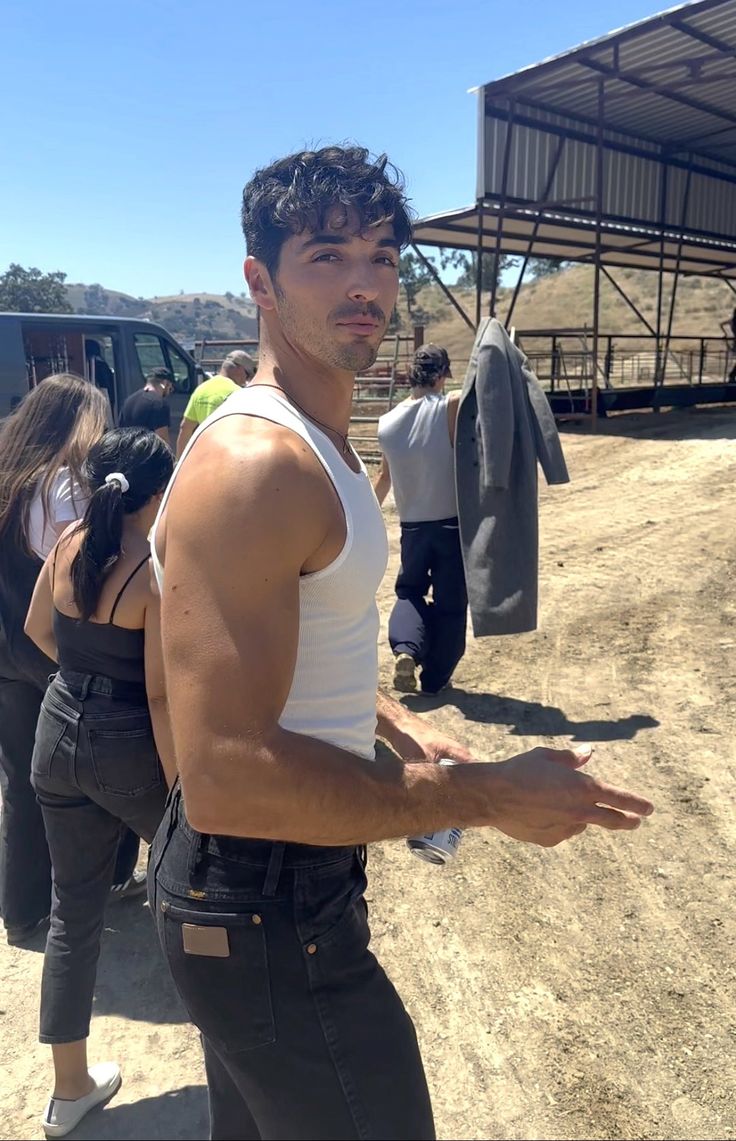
434	356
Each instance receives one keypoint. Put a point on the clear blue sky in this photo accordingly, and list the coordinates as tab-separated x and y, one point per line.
130	128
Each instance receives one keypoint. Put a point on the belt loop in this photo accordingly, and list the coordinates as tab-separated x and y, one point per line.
197	852
275	864
85	687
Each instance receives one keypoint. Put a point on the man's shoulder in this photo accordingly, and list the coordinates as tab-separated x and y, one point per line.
144	396
239	450
246	476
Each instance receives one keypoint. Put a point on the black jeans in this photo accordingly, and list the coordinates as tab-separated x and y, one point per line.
95	765
25	866
304	1036
432	632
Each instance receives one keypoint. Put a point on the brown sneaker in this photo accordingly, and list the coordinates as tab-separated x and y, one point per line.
405	674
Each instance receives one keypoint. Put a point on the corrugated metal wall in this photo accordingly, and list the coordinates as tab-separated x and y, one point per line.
632	183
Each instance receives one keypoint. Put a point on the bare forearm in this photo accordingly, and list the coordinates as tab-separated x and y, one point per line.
296	788
382	486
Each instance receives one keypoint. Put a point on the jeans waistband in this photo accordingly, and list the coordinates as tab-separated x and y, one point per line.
259	853
80	685
451	522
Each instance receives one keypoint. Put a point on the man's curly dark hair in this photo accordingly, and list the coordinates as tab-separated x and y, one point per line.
297	193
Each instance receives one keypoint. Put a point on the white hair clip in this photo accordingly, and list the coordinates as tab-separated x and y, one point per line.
119	478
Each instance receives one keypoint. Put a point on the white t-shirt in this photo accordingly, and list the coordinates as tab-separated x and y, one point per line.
67	503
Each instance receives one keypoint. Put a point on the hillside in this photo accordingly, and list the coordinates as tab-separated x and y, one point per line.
561	301
565	300
187	316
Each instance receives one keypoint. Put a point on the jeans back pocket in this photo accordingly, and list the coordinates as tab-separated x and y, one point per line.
124	760
56	741
219	963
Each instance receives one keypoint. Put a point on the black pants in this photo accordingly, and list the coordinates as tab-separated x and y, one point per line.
432	632
95	765
304	1036
25	866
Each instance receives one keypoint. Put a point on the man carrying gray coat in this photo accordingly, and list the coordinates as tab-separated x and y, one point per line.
416	441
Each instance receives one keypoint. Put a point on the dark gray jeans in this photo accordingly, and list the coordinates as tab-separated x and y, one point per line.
25	867
304	1036
95	767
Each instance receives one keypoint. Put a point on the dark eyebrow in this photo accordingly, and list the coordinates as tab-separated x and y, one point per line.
337	239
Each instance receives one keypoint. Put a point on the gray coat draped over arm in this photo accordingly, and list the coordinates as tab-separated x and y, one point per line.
504	427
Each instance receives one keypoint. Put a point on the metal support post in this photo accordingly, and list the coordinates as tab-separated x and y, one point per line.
598	242
628	300
673	297
502	207
432	271
535	229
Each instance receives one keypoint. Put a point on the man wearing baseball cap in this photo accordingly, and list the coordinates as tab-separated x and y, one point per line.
416	440
235	372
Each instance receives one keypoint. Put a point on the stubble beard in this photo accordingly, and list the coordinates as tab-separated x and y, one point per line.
349	358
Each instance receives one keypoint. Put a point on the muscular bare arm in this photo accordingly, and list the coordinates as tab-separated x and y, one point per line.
382	484
251	510
453	406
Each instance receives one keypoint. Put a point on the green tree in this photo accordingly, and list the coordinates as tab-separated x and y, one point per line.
488	270
546	267
413	276
31	291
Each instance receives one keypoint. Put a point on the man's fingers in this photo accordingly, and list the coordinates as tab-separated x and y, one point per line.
611	818
571	758
621	798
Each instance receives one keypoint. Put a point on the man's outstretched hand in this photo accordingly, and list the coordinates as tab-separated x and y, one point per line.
544	799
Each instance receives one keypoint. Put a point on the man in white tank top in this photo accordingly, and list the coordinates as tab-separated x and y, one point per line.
268	550
417	440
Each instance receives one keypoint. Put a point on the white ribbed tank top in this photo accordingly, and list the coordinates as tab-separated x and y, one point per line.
333	693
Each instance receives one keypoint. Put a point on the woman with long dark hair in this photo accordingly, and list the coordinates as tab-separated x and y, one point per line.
42	447
95	762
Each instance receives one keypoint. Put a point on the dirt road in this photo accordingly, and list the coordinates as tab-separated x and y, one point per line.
586	992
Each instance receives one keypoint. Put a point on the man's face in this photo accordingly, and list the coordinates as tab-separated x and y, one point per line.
335	290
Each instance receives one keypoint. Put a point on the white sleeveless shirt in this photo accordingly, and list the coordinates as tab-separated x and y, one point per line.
333	692
415	440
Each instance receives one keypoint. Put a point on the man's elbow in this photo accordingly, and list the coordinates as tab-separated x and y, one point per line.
214	802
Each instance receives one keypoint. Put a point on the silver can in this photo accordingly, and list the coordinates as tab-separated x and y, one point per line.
437	847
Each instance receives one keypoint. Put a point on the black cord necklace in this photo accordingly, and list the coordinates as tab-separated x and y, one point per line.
346	449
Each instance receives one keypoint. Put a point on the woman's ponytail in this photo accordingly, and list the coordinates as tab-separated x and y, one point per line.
102	527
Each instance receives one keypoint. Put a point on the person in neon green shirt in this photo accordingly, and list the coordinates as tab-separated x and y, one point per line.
235	372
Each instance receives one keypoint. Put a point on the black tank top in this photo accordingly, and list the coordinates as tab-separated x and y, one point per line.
101	648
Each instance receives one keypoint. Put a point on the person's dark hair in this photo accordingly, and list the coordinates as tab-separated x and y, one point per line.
160	376
431	362
54	426
145	463
297	193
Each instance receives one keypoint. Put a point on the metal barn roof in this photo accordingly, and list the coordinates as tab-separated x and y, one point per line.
623	148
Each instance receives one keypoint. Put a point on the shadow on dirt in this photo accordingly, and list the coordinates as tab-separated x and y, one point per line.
672	424
178	1115
530	718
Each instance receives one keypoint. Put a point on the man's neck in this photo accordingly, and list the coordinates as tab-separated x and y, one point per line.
324	393
422	390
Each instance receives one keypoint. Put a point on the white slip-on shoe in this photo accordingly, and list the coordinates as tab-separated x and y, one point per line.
61	1116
